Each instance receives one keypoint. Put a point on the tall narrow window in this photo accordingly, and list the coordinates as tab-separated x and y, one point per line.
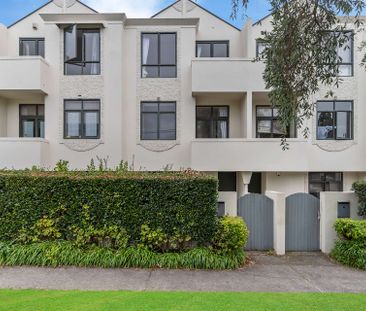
212	49
31	118
329	181
158	121
82	119
345	56
261	45
82	51
334	120
159	55
212	122
269	126
31	47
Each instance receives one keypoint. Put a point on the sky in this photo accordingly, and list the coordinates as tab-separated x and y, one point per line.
13	10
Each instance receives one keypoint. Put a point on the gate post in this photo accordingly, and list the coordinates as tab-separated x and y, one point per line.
279	221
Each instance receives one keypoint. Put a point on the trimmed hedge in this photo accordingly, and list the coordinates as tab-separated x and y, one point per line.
56	254
350	253
349	229
360	189
179	201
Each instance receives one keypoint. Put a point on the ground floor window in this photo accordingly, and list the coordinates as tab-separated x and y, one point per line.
227	181
31	120
82	119
329	181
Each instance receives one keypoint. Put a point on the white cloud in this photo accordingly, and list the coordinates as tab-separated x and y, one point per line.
133	8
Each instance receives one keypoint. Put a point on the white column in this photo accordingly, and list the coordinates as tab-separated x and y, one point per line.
279	221
245	178
249	114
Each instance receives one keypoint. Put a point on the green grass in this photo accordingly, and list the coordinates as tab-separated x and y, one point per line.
24	300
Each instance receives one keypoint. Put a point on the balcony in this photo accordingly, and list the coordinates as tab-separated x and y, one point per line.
267	155
23	74
21	153
226	75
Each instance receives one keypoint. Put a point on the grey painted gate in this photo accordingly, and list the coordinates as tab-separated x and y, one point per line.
257	212
302	223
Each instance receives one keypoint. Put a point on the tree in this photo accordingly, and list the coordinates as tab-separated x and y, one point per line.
302	52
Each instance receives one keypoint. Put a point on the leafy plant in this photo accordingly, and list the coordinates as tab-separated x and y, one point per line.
350	229
350	253
62	166
360	189
231	235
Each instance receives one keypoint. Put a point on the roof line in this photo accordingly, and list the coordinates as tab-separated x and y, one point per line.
41	7
201	7
87	6
261	19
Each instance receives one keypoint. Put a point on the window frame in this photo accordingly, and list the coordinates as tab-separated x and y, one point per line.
83	62
323	182
159	65
352	56
36	118
158	119
257	41
335	120
37	40
212	43
82	119
227	119
272	118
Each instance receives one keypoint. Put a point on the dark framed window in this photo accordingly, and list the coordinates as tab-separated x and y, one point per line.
212	122
334	120
329	181
31	47
212	49
31	121
158	121
345	55
227	181
159	55
261	45
82	119
81	51
268	124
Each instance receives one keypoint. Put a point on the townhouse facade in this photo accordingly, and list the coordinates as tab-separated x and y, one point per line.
179	89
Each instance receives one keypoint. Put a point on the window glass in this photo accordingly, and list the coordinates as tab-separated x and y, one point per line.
28	110
168	72
91	124
31	120
325	106
325	125
343	106
264	126
343	125
150	49
203	50
167	49
329	181
91	105
269	125
220	50
212	122
227	181
149	126
260	47
167	126
41	48
73	105
222	129
150	107
73	121
91	41
41	128
28	128
29	48
70	43
264	112
167	107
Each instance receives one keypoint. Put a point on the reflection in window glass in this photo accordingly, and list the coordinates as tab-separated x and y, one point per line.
31	118
212	122
212	49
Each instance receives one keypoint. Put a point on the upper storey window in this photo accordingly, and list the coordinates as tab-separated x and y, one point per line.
345	54
159	55
261	45
82	51
31	47
212	48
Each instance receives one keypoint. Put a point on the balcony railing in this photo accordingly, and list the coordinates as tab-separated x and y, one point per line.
231	75
26	73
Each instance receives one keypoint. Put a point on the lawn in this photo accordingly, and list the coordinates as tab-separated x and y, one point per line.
32	300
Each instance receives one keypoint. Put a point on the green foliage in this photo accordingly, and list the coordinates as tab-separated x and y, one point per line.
62	166
301	54
231	236
349	229
44	229
56	254
360	189
181	204
350	253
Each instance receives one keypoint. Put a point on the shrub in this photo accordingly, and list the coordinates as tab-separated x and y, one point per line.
57	254
351	229
231	235
183	202
360	189
350	253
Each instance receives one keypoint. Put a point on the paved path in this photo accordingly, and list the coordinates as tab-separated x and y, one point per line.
311	272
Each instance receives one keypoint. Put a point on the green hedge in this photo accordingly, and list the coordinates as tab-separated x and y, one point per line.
350	253
349	229
360	189
55	254
183	202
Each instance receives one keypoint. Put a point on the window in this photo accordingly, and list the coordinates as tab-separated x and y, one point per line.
82	119
212	122
31	47
334	120
319	182
82	51
212	49
260	47
158	121
345	54
159	55
227	181
31	120
268	124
